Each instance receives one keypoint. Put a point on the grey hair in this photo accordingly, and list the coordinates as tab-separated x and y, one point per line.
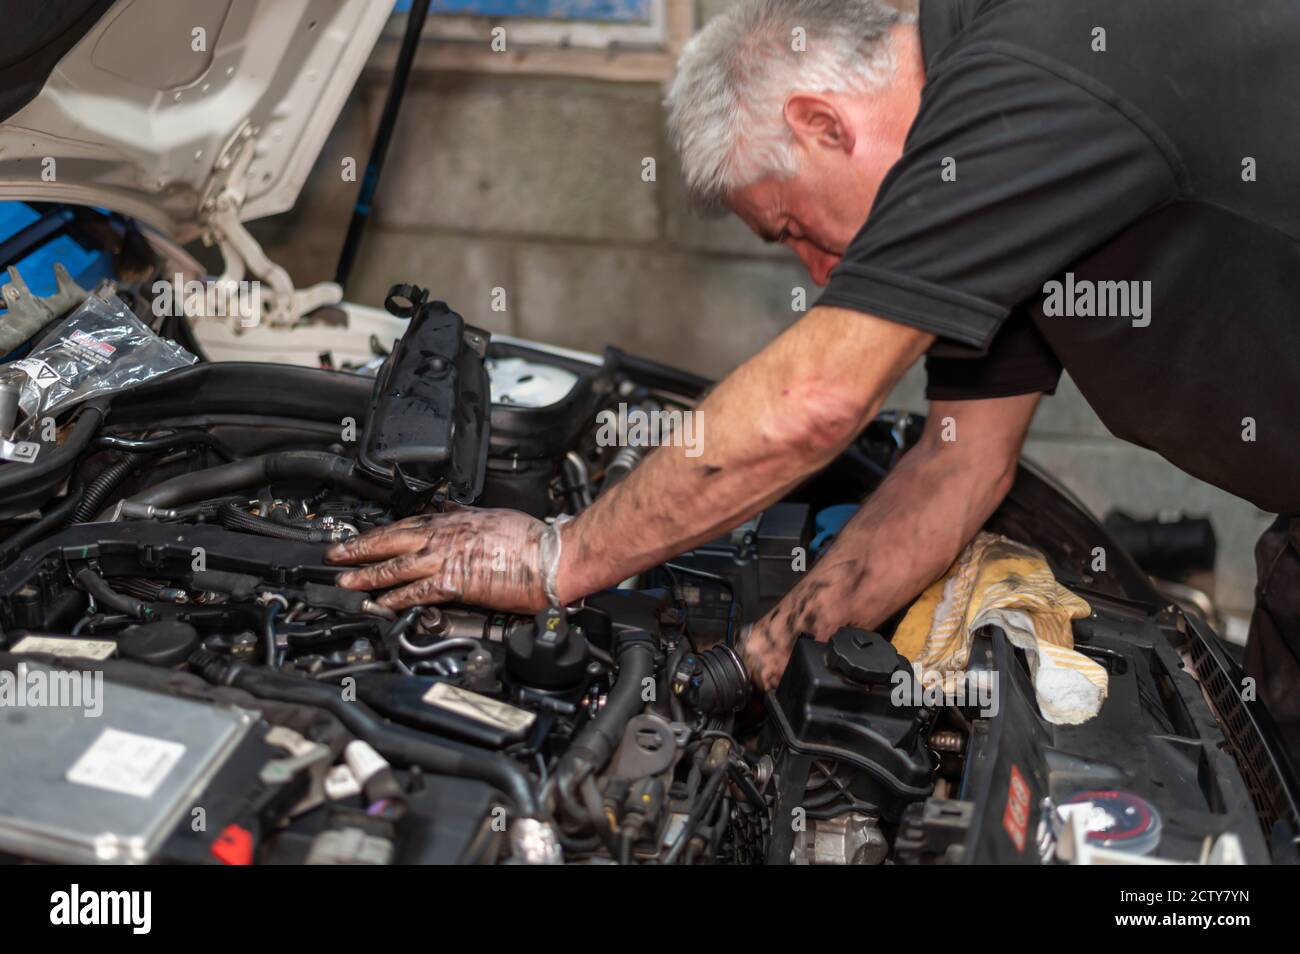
726	105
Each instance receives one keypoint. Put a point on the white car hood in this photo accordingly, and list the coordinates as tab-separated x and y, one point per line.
138	115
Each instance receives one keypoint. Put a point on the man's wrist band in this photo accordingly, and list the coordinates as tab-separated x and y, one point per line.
549	556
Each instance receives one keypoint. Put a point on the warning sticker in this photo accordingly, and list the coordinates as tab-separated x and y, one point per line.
1015	819
42	375
499	715
58	646
126	762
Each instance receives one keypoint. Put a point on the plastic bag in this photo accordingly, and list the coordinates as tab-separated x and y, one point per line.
101	348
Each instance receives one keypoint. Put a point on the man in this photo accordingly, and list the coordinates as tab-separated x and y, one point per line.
1100	184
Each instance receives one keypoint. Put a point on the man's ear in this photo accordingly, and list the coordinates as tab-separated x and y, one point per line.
816	119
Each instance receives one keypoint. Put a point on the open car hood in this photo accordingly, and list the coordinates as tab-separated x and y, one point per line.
157	104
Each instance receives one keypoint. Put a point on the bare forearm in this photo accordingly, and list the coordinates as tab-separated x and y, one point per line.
910	530
781	416
904	537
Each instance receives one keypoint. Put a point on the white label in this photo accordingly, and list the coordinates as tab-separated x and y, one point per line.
480	708
90	343
42	375
341	783
58	646
127	763
363	760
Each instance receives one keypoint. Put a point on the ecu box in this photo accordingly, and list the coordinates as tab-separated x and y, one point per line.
81	788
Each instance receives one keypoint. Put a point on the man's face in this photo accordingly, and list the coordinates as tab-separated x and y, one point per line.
816	213
846	143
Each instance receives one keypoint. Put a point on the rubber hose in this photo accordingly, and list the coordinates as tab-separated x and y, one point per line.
55	518
94	584
98	490
287	465
599	737
51	465
233	518
440	756
268	631
167	442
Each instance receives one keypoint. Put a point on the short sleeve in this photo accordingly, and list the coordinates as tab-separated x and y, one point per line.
1010	173
1019	361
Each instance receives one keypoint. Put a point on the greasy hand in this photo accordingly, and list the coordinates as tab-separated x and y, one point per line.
766	650
487	557
830	596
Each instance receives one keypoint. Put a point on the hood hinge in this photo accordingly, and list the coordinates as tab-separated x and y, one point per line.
281	305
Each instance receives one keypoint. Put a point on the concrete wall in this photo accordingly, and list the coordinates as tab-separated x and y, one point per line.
534	186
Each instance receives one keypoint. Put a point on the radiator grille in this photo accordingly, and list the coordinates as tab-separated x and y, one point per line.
1244	742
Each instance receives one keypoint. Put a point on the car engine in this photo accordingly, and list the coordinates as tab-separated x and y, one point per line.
172	544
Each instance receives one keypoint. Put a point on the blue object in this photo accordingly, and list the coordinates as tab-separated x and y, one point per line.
14	217
86	266
828	523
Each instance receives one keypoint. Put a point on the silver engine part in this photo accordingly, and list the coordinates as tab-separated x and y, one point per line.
104	780
849	839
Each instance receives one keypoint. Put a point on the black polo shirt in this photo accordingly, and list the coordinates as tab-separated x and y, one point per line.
1112	186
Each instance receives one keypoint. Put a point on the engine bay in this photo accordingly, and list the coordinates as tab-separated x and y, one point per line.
182	562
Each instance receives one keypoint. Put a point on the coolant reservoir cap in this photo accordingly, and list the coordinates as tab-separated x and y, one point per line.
865	657
1119	821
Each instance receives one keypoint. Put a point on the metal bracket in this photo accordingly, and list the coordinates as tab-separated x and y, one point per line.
27	314
219	207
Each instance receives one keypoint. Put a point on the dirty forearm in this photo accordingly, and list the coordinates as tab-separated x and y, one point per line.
915	524
781	416
902	538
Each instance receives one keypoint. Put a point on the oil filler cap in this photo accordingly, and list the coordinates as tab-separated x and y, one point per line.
165	643
551	656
